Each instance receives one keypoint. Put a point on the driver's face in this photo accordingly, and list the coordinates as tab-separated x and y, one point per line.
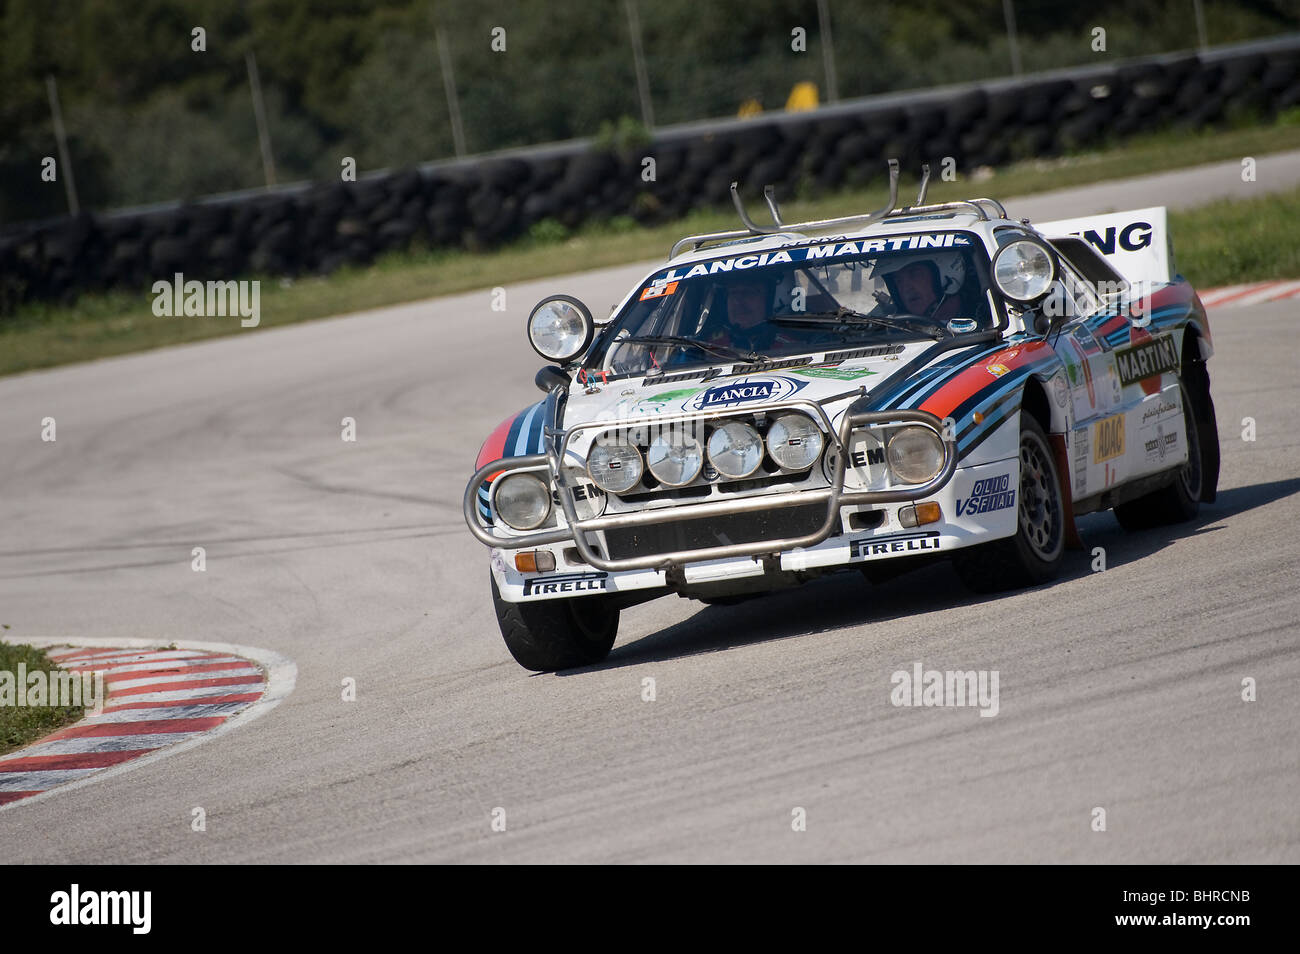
916	288
746	305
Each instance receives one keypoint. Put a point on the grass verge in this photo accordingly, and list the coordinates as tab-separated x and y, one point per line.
21	725
44	335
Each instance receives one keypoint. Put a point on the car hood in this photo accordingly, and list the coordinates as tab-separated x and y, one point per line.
739	387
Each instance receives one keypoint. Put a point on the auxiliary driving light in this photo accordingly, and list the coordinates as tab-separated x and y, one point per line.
794	441
615	466
735	449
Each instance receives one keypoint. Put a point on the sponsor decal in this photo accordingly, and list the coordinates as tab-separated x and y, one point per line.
657	403
988	494
743	391
897	543
659	291
864	456
1131	238
1081	449
1079	372
897	243
1060	390
836	374
1108	439
1147	359
866	462
1083	334
1158	411
997	370
1160	445
569	583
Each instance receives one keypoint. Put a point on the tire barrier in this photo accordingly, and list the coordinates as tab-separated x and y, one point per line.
315	228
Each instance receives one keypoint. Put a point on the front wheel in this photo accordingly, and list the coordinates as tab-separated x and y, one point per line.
557	634
1035	553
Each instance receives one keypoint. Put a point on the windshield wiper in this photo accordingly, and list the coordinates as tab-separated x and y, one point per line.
707	347
847	316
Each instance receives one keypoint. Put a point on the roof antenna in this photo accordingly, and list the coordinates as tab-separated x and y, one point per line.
925	183
749	223
769	194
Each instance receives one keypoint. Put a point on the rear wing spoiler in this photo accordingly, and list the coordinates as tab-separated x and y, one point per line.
1134	244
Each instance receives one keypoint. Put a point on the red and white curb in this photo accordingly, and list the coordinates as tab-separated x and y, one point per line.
158	702
1254	293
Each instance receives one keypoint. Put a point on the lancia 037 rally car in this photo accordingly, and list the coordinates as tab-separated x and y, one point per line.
875	391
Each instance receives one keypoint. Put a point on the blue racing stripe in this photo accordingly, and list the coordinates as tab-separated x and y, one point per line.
522	442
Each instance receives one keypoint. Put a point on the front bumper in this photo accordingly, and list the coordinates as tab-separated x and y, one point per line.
831	499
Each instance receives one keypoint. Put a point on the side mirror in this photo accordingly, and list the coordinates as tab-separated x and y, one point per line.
550	377
560	328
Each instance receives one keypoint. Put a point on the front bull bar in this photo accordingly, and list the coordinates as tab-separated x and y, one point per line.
833	496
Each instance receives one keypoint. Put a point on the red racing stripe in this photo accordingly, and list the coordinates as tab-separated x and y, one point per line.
964	385
173	671
78	760
494	448
143	727
180	662
192	684
197	701
7	797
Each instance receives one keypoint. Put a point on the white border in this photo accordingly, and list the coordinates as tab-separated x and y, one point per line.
281	677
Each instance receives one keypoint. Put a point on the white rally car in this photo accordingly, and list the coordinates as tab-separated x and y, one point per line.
871	392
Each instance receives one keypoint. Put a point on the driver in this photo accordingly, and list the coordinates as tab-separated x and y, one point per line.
747	328
920	293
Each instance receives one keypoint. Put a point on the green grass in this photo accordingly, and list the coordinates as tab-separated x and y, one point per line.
20	725
44	335
1244	241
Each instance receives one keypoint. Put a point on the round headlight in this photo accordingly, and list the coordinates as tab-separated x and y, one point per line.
735	449
614	466
560	328
794	441
915	454
1024	270
675	458
522	500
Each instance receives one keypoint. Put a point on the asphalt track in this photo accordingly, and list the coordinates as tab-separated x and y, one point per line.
1119	689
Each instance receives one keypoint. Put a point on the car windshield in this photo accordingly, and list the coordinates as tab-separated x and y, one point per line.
754	306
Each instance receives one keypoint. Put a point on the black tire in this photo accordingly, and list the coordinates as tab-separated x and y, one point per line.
1034	554
557	634
1176	502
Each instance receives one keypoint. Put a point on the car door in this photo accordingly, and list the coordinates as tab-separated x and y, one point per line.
1096	404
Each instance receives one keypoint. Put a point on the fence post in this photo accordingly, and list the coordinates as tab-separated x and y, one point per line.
449	87
828	51
1009	13
61	138
259	113
638	58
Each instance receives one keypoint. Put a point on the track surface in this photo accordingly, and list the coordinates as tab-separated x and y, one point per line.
1119	689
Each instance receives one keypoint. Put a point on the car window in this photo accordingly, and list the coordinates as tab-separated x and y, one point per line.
778	302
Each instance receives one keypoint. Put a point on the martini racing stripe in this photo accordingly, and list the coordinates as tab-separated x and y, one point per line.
522	434
903	382
940	372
